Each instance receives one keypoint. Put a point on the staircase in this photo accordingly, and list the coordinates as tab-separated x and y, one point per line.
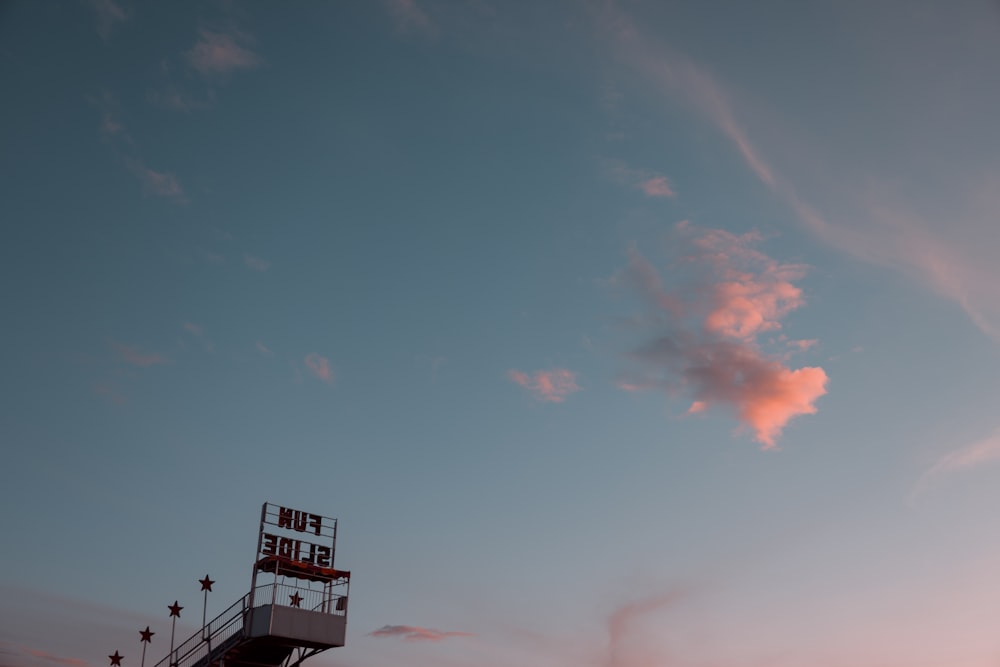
259	631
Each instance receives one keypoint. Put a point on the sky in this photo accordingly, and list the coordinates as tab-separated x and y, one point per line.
616	333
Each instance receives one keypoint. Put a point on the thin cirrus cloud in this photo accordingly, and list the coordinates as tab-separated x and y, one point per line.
222	52
871	222
972	455
157	183
552	385
131	354
263	349
414	633
706	332
319	366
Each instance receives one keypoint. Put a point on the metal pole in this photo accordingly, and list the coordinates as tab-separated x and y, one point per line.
146	636
175	613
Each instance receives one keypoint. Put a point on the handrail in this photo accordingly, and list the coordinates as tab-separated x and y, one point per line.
225	623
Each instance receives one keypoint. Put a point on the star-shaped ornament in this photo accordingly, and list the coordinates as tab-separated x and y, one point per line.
147	635
295	599
175	609
116	660
206	583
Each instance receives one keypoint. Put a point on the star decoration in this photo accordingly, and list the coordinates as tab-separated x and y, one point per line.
206	583
295	599
175	609
116	660
147	635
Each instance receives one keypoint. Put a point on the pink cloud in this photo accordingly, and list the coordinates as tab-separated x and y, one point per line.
652	183
658	186
221	53
552	385
707	344
131	354
804	345
263	349
58	659
622	649
410	18
256	263
319	366
160	184
876	227
194	329
416	633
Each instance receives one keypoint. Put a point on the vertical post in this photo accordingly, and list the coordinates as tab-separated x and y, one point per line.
175	613
146	636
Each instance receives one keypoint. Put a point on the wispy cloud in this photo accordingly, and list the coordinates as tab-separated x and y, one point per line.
222	52
108	14
624	618
972	455
160	184
134	356
707	330
319	366
198	332
50	657
652	183
410	18
263	349
416	633
552	385
870	223
256	263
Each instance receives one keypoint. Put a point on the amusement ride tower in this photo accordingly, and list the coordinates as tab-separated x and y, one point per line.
296	607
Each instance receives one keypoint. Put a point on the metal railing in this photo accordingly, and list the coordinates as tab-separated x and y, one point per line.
215	637
289	595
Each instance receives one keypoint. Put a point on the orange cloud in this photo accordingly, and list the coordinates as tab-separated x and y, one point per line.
319	366
552	385
416	633
709	346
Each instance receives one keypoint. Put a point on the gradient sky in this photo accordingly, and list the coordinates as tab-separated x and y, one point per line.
620	334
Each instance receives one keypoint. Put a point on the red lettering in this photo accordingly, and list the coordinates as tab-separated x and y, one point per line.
316	522
284	517
285	547
311	558
298	550
323	556
300	521
270	546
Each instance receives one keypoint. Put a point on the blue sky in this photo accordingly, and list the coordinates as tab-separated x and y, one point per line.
615	333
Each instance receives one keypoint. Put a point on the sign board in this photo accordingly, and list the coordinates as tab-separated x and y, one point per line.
296	535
